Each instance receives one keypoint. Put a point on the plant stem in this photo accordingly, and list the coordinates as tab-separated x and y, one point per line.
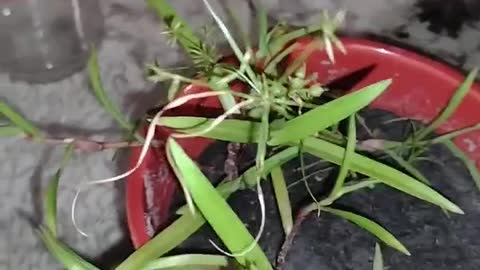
85	145
282	255
345	190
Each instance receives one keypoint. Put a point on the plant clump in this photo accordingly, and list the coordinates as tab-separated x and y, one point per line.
280	105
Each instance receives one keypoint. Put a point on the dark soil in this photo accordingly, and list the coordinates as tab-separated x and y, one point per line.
436	241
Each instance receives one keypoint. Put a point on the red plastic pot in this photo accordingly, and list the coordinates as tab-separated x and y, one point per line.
420	90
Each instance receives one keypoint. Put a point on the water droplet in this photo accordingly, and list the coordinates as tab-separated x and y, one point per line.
48	65
6	11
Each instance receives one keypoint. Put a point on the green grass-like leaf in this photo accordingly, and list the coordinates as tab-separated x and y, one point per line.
188	223
215	209
407	166
452	105
282	198
453	134
67	257
466	160
101	94
10	131
281	41
349	150
184	34
262	31
50	201
191	261
231	130
18	120
328	114
228	36
165	241
388	175
378	258
368	225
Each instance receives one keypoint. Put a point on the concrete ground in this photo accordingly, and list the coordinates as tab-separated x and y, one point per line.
132	37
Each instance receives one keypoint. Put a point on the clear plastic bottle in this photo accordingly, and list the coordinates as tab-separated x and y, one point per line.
47	40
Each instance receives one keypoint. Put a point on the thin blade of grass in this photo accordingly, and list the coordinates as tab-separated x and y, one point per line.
101	94
280	42
466	160
187	224
374	169
378	258
453	134
67	257
231	41
452	105
169	238
302	58
227	101
18	120
282	198
215	209
368	225
50	200
167	13
189	260
231	130
10	131
173	89
272	65
262	32
407	166
237	28
326	115
349	150
228	36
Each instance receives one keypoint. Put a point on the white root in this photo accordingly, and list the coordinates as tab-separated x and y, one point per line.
148	141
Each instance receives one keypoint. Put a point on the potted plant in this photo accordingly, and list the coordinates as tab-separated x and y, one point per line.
274	98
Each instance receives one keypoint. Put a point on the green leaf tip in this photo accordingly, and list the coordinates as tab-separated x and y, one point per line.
370	226
377	170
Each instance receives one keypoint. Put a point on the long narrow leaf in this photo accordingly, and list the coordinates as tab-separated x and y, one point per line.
282	198
67	257
165	241
453	134
18	120
231	130
262	31
10	131
278	43
370	226
451	106
349	150
187	224
50	203
388	175
328	114
189	260
215	209
101	94
378	258
167	13
466	160
407	166
228	36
